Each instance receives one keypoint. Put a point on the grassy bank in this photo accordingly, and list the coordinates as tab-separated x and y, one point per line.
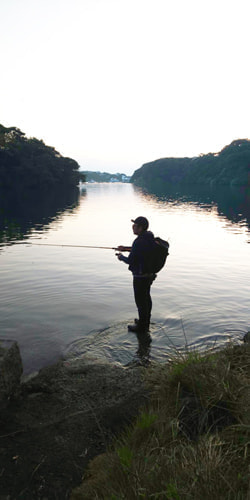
190	442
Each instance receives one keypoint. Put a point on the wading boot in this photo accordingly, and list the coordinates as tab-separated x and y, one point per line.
137	328
137	322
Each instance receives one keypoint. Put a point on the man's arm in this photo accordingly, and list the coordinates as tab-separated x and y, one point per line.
122	257
122	248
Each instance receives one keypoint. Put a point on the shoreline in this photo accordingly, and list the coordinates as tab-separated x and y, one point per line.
60	419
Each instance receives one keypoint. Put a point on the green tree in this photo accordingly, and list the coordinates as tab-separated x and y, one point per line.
30	165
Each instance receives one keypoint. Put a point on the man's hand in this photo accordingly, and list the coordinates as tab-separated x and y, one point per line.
121	248
119	256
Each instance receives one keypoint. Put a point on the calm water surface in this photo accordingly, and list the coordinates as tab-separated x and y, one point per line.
61	300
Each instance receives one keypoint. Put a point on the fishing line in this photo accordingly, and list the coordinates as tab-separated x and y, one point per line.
72	246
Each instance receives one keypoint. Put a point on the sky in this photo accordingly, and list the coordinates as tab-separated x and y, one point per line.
117	83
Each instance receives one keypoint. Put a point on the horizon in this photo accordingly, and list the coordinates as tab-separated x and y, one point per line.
165	157
81	169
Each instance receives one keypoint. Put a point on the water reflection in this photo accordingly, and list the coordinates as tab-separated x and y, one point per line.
143	351
54	299
20	216
231	203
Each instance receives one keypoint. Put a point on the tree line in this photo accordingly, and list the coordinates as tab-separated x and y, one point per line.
93	176
27	164
229	167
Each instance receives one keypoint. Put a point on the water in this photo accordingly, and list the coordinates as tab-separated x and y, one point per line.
61	300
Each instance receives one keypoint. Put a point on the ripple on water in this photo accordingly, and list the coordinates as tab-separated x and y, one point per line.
115	344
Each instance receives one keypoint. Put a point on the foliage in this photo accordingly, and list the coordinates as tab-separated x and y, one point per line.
27	164
105	177
192	439
230	167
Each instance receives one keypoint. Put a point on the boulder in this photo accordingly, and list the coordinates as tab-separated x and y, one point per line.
62	418
246	338
11	368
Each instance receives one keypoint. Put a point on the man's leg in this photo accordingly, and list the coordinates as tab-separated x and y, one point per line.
143	301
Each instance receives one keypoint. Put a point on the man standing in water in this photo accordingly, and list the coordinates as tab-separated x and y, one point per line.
139	264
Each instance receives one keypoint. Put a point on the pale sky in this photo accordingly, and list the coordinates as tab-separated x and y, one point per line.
117	83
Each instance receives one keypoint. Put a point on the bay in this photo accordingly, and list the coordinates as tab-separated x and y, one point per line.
60	301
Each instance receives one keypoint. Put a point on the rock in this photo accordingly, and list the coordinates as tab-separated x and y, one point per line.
62	418
246	338
11	368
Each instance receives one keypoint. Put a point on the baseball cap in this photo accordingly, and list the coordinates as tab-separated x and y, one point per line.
141	221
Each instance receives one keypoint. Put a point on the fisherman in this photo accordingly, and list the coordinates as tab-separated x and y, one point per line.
139	264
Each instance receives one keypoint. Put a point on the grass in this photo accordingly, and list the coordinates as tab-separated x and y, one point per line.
190	442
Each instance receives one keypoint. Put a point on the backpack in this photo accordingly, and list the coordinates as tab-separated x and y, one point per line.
159	255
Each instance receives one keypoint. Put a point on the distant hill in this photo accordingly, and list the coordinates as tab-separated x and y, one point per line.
105	177
28	165
229	167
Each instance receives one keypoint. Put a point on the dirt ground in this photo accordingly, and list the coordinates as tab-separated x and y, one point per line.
58	421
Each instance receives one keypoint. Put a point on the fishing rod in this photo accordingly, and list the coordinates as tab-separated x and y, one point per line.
72	246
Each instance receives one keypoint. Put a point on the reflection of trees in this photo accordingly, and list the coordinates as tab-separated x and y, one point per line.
20	215
232	203
36	184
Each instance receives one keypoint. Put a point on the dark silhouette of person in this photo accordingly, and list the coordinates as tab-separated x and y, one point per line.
139	264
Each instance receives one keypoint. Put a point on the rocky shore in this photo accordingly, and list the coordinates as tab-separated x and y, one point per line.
54	423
